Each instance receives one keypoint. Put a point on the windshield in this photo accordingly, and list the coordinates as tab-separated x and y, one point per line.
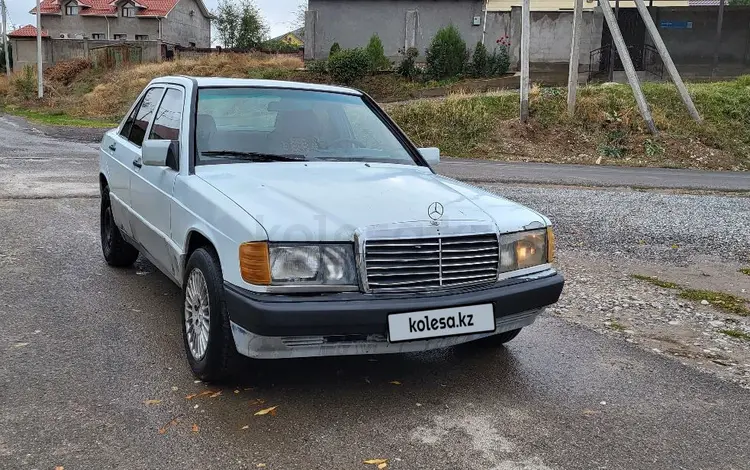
273	124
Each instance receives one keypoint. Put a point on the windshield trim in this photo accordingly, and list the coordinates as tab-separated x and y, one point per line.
405	142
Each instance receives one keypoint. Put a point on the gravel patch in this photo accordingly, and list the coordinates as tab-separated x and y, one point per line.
674	228
697	241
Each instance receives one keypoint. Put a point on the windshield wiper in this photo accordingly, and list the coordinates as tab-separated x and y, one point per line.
255	156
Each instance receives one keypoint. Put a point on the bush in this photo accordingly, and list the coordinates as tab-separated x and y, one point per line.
480	62
335	49
279	47
447	55
376	53
66	71
317	66
499	62
349	65
24	85
408	66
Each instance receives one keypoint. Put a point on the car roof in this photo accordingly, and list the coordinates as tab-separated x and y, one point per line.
214	82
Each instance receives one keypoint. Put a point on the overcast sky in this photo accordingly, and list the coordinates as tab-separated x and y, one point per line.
278	13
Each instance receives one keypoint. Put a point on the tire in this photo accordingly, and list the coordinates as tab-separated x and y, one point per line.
220	357
500	339
117	252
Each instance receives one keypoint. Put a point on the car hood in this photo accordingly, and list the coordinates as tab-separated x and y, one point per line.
330	201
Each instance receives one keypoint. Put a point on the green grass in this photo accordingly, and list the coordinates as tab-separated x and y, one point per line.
727	302
615	325
59	119
721	300
655	281
463	126
745	271
739	334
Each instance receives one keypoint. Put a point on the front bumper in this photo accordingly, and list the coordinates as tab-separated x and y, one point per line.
349	323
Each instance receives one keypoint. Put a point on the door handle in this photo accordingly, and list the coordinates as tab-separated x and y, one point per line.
113	146
137	163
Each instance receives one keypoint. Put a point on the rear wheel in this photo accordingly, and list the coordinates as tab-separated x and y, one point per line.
206	329
117	252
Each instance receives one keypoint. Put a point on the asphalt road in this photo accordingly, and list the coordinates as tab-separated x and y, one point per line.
85	346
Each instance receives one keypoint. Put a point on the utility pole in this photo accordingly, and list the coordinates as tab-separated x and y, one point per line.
39	66
575	52
525	40
4	31
627	64
717	41
667	59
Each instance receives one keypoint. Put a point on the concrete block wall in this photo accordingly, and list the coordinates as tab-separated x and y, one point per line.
56	50
352	23
415	22
88	25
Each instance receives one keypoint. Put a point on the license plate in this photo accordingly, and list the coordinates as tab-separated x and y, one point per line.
442	322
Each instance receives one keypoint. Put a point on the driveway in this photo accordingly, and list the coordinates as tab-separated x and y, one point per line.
94	374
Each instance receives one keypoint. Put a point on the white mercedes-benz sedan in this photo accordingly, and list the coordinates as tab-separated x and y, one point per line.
299	220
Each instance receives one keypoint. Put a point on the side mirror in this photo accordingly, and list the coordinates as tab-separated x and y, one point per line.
431	154
160	153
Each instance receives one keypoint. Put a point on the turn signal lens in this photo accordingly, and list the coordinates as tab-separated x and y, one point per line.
550	245
254	263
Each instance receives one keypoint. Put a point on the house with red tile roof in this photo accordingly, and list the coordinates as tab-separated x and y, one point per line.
179	22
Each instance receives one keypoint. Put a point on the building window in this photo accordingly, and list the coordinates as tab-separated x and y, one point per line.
120	37
128	11
98	36
141	37
71	8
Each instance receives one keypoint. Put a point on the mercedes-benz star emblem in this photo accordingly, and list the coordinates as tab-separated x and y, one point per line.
435	211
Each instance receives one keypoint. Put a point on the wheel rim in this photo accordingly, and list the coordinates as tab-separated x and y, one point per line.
197	314
108	223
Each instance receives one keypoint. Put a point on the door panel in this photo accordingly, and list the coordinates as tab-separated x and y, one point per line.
152	187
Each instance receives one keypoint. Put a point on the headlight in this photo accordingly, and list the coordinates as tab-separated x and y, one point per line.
298	264
526	249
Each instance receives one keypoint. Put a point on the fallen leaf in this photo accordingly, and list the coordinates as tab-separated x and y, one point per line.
261	465
589	412
256	401
59	467
395	382
151	402
201	394
174	389
20	345
266	411
375	461
382	466
214	395
236	391
599	161
245	426
196	428
172	422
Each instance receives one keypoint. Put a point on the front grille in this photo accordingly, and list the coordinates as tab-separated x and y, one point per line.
431	263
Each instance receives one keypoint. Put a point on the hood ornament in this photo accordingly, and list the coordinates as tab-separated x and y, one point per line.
435	211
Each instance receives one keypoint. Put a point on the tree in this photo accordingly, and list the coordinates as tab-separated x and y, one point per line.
299	15
252	29
739	2
239	24
2	57
227	21
447	55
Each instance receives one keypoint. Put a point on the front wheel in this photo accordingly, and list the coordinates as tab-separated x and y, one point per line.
117	252
206	329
